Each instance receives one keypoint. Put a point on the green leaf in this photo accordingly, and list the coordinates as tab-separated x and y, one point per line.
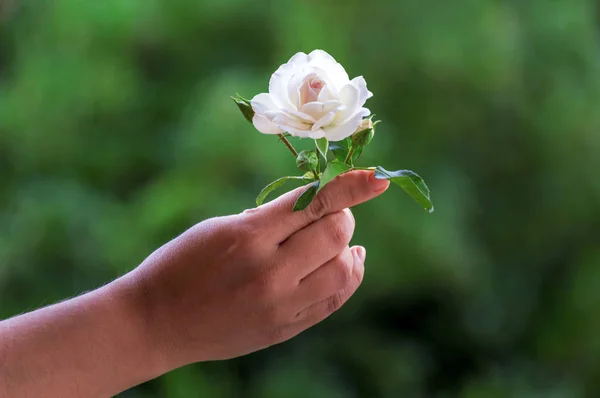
245	107
334	169
273	186
322	145
307	197
340	149
412	184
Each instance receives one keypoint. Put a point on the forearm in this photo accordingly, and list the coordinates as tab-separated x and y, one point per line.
94	345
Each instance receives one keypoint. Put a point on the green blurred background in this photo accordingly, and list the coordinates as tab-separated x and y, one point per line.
117	133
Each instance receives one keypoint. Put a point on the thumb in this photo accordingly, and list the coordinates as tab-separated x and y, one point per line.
345	191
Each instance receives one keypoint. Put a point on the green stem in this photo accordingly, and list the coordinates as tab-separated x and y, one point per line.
316	173
287	143
349	156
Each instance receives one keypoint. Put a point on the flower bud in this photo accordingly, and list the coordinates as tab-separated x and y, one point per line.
245	107
364	134
307	160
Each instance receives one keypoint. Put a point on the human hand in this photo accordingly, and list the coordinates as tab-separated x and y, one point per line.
233	285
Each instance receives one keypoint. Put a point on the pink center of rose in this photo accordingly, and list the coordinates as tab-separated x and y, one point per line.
310	89
316	85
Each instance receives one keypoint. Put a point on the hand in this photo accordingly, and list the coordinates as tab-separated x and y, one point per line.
224	288
233	285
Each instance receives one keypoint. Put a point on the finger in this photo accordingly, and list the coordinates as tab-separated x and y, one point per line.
313	246
321	310
343	192
325	281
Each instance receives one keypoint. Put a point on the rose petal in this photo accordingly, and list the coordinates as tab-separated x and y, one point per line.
295	83
335	71
332	92
331	105
326	94
304	133
301	116
324	121
363	93
299	59
264	125
284	119
262	103
314	109
318	109
349	97
294	94
278	85
304	117
347	128
298	79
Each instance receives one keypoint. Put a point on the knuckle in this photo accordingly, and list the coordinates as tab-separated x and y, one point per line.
250	213
339	235
334	303
276	335
319	206
249	221
340	229
247	229
245	234
344	271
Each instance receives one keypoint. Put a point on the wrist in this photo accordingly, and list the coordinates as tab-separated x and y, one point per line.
133	301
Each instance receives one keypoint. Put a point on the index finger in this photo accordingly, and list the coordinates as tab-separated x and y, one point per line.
345	191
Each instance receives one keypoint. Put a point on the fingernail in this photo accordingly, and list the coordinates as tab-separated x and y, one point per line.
361	252
378	185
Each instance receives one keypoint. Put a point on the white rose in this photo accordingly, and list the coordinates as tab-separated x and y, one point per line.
312	96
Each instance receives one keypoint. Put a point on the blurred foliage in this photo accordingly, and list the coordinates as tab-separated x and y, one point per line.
115	114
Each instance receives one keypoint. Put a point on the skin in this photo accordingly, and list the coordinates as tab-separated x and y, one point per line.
224	288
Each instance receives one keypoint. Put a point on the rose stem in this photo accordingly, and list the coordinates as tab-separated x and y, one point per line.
349	156
287	143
